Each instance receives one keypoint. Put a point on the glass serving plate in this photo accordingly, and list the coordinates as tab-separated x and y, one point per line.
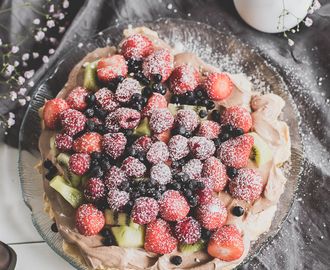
214	47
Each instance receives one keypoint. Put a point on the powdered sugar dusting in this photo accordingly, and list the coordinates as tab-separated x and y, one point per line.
161	173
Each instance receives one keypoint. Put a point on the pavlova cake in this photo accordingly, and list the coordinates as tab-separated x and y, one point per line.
153	159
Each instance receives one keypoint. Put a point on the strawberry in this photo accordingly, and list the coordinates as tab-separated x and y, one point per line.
157	153
193	168
159	237
156	101
159	62
63	142
106	100
145	210
110	67
79	163
128	118
52	112
226	244
237	117
178	147
212	214
188	230
137	47
142	144
114	144
208	129
183	79
117	199
114	177
235	152
161	173
214	170
76	98
162	137
132	167
173	206
72	121
94	189
217	86
246	185
89	220
201	147
161	120
126	89
88	143
187	118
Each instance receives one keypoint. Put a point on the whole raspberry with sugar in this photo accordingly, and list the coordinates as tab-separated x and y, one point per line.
106	100
183	78
161	120
114	177
94	190
145	210
79	163
246	185
208	129
111	122
193	168
63	142
88	143
178	147
237	117
188	230
76	98
156	101
201	147
128	118
157	153
89	220
214	170
72	121
126	89
142	144
114	144
132	167
137	47
173	206
117	199
187	118
161	173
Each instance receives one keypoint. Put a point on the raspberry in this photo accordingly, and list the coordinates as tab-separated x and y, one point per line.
161	120
208	129
156	101
128	118
63	142
111	122
117	199
76	98
94	189
157	153
89	220
178	147
133	167
88	143
144	210
187	118
188	230
237	117
173	206
142	144
106	100
183	78
114	144
126	89
214	170
137	47
161	173
201	147
193	168
79	163
72	121
114	177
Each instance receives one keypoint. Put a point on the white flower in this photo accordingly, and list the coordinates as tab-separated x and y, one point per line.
50	23
291	42
61	16
11	115
316	5
310	10
61	29
39	36
65	4
53	40
25	56
45	59
51	51
14	49
22	91
21	80
27	98
308	22
51	9
28	74
16	63
13	95
35	55
31	83
36	21
11	122
10	69
22	101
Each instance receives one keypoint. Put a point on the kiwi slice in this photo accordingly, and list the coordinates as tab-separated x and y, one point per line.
52	146
198	245
260	152
63	160
142	129
90	80
74	196
126	236
174	108
114	218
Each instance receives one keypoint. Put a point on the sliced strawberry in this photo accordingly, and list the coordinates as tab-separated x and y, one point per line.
173	206
156	101
79	163
159	237
161	120
159	62
89	220
217	86
238	117
235	152
106	100
110	67
137	47
183	79
226	244
145	210
201	147
88	143
114	144
214	170
246	185
162	137
76	98
52	112
208	129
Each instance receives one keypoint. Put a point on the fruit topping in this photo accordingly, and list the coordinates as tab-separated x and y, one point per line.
132	167
114	177
186	249
126	236
79	163
52	112
91	81
145	210
247	185
63	142
161	173
114	144
142	144
208	129
88	143
106	100
127	89
226	244
237	117
178	147
215	171
188	230
117	199
163	137
193	168
137	47
110	67
238	211
111	122
217	86
176	260
128	118
260	152
157	153
94	189
143	128
187	118
173	206
156	101
76	98
72	121
89	220
183	79
63	160
201	147
161	120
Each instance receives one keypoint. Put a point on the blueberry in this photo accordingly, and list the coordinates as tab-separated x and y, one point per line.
144	101
102	114
192	184
105	232
53	170
136	97
145	80
182	162
90	125
97	171
100	129
183	177
198	93
210	105
192	201
120	78
175	164
228	129
151	183
188	134
204	102
155	87
96	155
176	260
158	78
224	137
90	98
124	185
147	92
137	106
128	132
231	172
238	211
112	86
108	242
193	102
187	193
216	116
142	156
161	188
200	185
217	142
176	186
138	76
180	130
206	234
157	195
238	132
128	207
132	152
47	164
162	89
105	165
54	228
202	113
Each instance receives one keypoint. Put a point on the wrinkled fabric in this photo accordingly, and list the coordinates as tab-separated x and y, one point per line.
302	242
